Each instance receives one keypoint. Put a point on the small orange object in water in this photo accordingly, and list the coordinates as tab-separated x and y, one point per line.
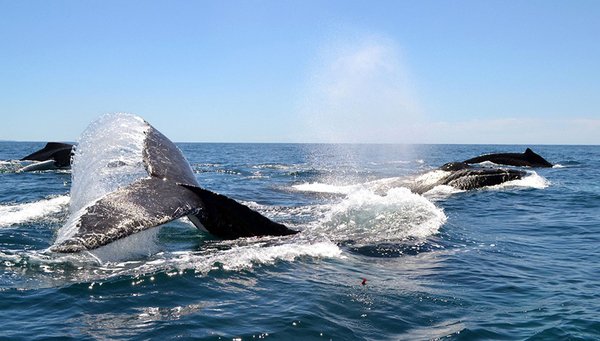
364	282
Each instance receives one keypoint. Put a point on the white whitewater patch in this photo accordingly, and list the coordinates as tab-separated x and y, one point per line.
371	218
52	270
261	251
11	166
140	254
441	192
21	213
532	180
317	187
367	217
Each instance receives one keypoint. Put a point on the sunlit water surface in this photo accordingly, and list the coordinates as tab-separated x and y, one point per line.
518	261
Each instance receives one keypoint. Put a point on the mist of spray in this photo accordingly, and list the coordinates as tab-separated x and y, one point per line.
359	91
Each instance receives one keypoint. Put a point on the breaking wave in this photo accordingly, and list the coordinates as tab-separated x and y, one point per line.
13	214
364	216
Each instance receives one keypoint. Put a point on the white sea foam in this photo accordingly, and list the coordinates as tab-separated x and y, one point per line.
247	256
532	180
441	192
382	210
365	217
20	213
11	166
118	258
317	187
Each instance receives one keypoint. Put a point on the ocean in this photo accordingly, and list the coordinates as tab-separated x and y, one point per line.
517	261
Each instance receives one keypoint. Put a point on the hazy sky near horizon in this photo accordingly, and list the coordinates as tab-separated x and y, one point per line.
512	72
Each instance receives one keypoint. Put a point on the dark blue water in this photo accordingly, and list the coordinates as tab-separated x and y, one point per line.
514	262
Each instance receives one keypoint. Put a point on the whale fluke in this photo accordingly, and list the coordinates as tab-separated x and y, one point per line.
465	177
169	192
526	159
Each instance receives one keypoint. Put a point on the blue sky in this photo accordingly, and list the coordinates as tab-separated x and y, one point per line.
514	72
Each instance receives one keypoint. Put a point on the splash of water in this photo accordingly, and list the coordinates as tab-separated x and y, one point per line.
365	217
108	156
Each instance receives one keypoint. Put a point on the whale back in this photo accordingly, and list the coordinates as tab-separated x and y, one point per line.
526	159
59	152
469	179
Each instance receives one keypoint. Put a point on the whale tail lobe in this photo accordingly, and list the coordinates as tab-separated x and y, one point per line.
149	202
225	218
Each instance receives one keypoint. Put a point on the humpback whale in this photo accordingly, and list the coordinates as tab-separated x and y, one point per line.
526	159
53	155
466	177
459	175
167	191
463	176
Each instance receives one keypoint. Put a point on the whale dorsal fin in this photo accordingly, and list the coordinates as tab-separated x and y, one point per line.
535	159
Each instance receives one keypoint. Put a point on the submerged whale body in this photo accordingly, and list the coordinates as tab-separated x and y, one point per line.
53	155
465	177
459	175
526	159
168	191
